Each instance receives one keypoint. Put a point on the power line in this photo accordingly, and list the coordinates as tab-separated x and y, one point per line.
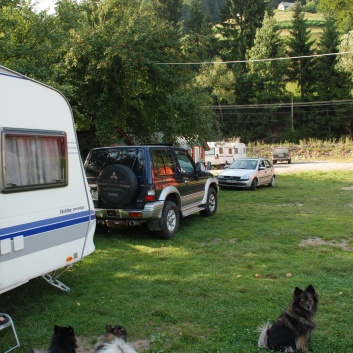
279	105
255	60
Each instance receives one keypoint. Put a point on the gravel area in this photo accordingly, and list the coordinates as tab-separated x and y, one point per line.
284	168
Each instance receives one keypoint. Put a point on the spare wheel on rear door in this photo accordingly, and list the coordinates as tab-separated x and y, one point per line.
117	185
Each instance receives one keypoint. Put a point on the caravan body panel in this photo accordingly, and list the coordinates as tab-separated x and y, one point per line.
223	153
47	223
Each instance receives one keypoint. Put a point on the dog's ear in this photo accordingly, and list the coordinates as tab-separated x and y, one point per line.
311	290
297	291
120	332
56	328
109	329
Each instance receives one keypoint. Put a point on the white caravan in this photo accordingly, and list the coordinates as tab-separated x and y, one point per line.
47	218
223	153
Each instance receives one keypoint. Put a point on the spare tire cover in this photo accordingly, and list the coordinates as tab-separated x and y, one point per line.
117	185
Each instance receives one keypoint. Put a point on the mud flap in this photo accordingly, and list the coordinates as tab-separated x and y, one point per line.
154	225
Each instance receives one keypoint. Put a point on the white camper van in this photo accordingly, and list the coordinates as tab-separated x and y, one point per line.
47	218
223	153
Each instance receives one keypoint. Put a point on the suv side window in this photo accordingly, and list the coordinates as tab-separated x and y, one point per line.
267	163
163	162
185	163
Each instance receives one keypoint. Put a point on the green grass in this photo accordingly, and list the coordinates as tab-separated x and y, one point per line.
198	292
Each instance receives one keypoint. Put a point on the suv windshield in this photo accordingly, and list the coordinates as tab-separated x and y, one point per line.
130	157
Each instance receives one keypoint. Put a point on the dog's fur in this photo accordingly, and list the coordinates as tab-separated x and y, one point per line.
62	341
113	341
291	332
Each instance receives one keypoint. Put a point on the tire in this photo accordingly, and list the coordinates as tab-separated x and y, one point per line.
169	222
253	185
272	182
211	203
117	185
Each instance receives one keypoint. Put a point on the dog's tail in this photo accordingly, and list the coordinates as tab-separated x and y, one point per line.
263	335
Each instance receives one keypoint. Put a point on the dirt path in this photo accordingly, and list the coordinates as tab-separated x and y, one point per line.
294	167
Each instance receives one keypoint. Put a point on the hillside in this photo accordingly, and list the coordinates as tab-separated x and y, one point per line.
284	19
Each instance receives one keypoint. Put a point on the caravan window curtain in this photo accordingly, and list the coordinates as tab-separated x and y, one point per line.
34	160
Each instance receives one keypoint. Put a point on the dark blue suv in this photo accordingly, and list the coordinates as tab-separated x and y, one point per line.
157	184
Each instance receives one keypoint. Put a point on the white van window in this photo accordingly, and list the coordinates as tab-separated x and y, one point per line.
33	159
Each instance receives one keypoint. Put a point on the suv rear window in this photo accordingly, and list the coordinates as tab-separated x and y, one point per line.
130	157
281	150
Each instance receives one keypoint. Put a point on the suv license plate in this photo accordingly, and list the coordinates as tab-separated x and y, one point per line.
94	194
231	181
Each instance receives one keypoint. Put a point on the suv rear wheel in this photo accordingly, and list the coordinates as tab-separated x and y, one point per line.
169	222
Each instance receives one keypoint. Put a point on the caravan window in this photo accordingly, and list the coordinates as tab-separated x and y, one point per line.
210	152
33	159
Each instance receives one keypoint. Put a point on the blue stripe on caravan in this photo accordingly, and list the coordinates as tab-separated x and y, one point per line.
46	225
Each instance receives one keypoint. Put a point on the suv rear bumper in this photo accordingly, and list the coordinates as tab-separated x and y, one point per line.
151	211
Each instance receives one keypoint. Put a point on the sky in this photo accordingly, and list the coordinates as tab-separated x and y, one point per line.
44	4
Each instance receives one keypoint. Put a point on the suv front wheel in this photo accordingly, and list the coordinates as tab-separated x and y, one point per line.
211	203
169	222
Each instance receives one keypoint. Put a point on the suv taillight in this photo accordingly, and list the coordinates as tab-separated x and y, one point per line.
150	196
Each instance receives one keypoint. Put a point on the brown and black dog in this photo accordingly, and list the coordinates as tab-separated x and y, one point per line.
291	332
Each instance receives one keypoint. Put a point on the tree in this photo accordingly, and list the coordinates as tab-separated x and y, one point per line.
342	11
267	81
269	74
197	17
114	58
345	62
300	44
240	19
200	43
170	10
345	65
26	39
331	84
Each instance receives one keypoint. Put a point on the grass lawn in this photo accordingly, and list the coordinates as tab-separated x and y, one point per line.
198	292
285	18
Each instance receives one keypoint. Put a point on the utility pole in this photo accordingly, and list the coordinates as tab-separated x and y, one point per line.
292	115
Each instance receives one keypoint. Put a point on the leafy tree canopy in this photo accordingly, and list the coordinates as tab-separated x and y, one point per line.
116	58
342	10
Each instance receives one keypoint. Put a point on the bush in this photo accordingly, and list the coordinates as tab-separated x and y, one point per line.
310	7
